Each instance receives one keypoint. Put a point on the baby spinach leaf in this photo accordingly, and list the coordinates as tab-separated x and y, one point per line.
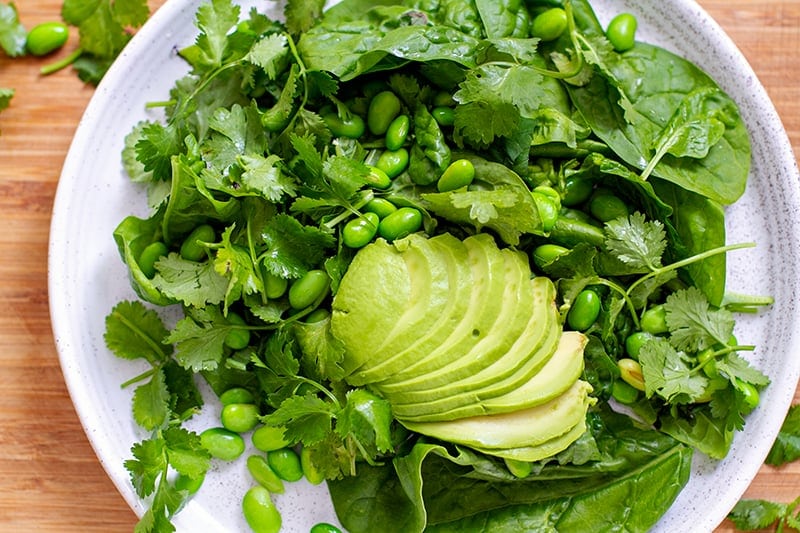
657	96
786	447
503	18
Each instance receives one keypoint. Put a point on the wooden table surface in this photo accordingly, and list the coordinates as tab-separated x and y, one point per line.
50	479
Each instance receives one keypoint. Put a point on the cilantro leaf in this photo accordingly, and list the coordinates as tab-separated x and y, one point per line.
786	447
264	176
292	248
155	148
301	15
269	54
134	332
13	35
322	353
199	339
668	373
147	465
636	241
195	284
151	402
307	419
186	454
6	95
749	515
235	263
734	366
103	24
215	19
693	325
367	418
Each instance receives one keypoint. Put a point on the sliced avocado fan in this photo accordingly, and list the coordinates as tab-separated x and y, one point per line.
464	343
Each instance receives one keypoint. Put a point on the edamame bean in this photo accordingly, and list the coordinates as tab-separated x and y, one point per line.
749	393
624	393
222	443
550	192
259	468
393	162
150	256
631	373
189	484
715	384
310	471
236	395
286	464
275	286
547	253
260	513
708	362
635	341
402	222
443	99
381	207
397	132
269	438
584	310
192	248
237	338
311	287
606	207
621	32
324	527
318	315
360	231
46	37
239	417
351	127
550	24
519	469
378	178
444	116
568	231
383	109
458	174
654	320
576	191
548	210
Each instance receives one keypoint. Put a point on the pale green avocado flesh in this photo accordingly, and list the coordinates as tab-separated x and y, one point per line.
464	343
531	350
560	372
454	254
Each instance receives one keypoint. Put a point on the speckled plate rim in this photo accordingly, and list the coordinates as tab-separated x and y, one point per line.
86	277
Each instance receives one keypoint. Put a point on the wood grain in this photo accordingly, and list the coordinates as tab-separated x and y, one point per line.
50	479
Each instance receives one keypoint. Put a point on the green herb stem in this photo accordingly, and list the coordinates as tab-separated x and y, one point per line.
61	64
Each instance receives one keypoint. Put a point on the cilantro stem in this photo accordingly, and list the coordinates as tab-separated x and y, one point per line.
350	210
141	377
62	63
322	389
162	103
688	261
745	303
722	351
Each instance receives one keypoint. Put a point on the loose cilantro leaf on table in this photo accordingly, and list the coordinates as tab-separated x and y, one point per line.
750	515
786	447
13	34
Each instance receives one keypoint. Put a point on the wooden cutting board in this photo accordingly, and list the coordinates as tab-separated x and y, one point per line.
50	479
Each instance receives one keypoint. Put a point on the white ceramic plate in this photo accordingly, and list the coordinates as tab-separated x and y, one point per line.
87	277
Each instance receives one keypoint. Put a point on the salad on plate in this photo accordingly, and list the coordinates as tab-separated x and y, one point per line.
463	261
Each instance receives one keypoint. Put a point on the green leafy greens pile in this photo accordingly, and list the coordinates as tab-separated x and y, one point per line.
249	147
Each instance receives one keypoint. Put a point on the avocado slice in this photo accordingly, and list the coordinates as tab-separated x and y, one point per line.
540	451
517	304
454	256
557	375
429	297
525	357
517	429
377	273
488	279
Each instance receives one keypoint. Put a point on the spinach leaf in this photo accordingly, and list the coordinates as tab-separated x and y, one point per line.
664	109
697	225
504	18
460	490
